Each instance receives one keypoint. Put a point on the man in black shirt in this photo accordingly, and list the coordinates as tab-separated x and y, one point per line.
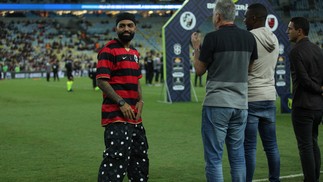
92	75
55	68
306	68
149	66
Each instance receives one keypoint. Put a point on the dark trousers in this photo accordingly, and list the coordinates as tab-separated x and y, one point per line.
150	76
48	76
94	82
156	76
126	152
162	74
56	76
306	123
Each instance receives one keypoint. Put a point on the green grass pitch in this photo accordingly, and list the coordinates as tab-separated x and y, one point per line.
48	134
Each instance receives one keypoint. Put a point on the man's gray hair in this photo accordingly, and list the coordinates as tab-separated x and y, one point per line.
226	9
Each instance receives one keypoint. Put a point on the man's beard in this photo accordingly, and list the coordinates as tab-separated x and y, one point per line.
126	38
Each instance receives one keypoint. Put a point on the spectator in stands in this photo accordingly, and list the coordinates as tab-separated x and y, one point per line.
262	94
17	68
306	65
118	74
224	113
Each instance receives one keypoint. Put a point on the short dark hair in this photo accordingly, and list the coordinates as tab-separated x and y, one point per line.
301	23
258	10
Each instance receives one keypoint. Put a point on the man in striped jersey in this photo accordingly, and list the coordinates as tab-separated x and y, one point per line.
118	74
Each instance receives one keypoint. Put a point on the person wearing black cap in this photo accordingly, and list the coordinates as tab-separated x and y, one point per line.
118	74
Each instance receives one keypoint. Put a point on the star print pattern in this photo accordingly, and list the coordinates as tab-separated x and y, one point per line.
126	153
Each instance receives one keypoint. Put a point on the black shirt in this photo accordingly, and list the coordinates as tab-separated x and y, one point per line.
69	65
306	68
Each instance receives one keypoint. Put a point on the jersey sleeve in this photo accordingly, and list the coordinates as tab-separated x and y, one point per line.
105	63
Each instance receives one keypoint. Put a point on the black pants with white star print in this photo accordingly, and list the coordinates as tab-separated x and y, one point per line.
126	152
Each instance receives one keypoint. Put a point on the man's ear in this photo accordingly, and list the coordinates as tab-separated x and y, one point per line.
300	31
218	17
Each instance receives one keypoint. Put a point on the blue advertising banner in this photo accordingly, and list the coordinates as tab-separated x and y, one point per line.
176	41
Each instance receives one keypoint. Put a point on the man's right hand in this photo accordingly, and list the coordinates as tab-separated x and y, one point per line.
196	40
127	111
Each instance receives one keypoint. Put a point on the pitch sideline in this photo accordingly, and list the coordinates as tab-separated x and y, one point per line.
282	177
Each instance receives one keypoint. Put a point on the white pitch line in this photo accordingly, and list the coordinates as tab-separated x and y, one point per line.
282	177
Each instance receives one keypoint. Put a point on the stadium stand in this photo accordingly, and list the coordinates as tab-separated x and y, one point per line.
30	39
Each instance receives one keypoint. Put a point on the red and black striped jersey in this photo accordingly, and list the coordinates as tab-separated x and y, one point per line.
121	69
